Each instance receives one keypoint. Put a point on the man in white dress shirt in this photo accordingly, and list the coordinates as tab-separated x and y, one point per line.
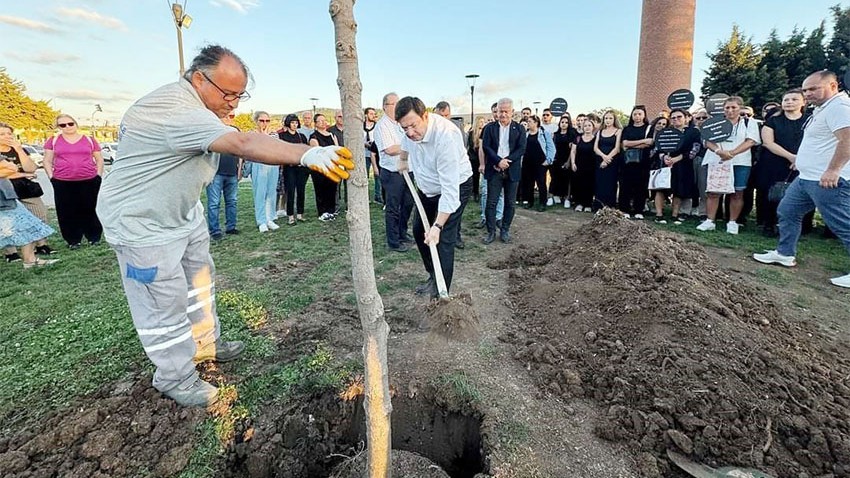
436	155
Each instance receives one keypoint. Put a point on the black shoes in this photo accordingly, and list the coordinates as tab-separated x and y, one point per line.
401	247
74	246
427	288
505	236
460	244
491	236
232	231
44	250
13	257
217	237
481	224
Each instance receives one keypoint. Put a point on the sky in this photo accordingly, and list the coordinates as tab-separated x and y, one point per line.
76	54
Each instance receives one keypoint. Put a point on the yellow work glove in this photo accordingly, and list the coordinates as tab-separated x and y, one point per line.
332	161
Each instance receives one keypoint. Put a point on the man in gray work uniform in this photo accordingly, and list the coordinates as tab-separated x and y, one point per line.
150	208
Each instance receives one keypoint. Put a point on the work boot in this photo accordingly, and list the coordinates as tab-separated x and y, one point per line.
426	288
491	236
220	351
199	394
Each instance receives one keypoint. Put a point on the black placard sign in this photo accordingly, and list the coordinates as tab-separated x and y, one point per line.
714	104
681	99
716	129
668	140
558	106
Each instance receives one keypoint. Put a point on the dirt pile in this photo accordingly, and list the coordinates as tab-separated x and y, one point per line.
680	353
128	430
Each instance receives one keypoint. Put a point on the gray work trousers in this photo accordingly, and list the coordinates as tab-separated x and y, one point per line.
171	292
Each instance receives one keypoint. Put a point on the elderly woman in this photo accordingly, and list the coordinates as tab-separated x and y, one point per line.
12	151
75	167
18	227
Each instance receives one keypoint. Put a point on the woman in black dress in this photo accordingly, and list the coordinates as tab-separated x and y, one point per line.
781	136
637	141
583	164
607	149
681	162
325	188
294	177
560	172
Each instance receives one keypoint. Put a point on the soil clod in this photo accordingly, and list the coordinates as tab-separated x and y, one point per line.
454	317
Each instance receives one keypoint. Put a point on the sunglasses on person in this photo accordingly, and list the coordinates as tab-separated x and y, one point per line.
701	117
65	125
264	121
746	115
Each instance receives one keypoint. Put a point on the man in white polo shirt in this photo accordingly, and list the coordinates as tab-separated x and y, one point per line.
824	173
399	202
434	147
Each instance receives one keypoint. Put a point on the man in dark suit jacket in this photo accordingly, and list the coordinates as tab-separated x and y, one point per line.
503	143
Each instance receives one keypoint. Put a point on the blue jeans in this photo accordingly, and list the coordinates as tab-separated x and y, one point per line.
802	197
264	181
228	185
500	206
377	197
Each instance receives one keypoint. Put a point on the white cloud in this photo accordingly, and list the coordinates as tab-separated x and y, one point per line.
92	95
28	24
503	86
241	6
43	58
93	17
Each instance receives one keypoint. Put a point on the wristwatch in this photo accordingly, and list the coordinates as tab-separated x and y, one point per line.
438	226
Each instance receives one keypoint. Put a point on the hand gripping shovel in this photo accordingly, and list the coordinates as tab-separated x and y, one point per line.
435	258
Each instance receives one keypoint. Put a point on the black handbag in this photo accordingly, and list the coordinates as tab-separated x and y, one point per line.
777	189
27	188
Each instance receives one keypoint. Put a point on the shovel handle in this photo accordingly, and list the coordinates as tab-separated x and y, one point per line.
435	257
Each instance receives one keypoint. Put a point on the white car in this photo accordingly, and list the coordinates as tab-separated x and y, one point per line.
109	152
34	155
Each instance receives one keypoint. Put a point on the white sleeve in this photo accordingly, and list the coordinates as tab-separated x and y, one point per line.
753	132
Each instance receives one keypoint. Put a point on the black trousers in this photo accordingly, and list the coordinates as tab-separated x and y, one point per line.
533	175
325	193
75	209
295	181
476	176
497	183
448	236
632	189
559	185
399	206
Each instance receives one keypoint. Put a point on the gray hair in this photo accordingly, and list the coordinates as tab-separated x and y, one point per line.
442	106
210	57
387	96
259	113
506	101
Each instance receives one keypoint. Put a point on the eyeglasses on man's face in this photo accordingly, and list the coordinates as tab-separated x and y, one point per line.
244	96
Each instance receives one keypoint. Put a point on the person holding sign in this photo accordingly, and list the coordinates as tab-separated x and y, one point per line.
824	181
682	184
735	149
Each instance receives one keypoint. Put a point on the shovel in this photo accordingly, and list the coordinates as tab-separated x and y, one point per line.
435	258
699	470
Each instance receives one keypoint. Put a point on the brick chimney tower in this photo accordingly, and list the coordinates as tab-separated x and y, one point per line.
666	51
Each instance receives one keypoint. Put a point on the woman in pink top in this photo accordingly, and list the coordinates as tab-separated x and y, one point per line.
75	166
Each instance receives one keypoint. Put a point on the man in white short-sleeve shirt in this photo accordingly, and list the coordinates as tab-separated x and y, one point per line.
434	146
152	216
822	160
398	203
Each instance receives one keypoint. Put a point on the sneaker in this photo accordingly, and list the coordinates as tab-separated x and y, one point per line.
677	222
773	257
325	217
44	250
220	351
217	236
74	246
300	218
627	216
638	216
199	394
264	228
232	231
292	221
280	213
660	220
13	257
550	202
40	263
732	227
588	209
707	225
579	208
273	225
567	204
843	281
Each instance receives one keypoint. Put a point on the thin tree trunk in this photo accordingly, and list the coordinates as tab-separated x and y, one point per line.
371	308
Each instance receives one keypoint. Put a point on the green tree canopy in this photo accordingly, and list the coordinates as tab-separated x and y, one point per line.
19	110
734	67
838	49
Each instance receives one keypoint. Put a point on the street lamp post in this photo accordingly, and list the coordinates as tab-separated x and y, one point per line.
181	20
470	79
97	109
314	100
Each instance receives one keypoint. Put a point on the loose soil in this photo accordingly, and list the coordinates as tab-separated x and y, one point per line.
600	344
681	354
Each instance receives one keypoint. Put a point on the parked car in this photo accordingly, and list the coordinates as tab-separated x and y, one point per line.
35	155
109	152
